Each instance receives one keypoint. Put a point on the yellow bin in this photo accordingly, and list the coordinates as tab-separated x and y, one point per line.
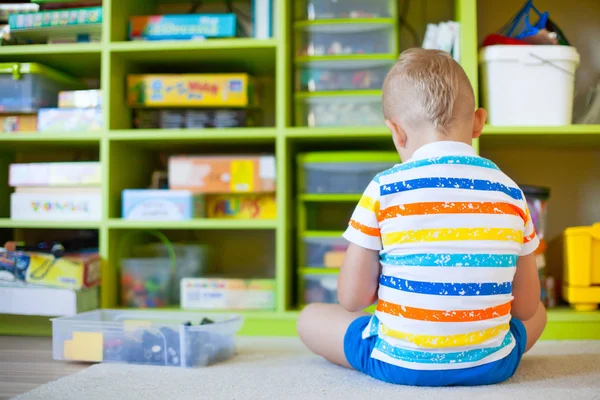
581	286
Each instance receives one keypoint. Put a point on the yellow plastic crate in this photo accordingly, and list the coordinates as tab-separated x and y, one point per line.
582	267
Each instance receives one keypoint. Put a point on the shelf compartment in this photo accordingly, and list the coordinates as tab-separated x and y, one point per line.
250	55
573	136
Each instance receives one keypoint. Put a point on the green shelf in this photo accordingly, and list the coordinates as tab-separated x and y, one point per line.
333	234
318	271
205	223
340	133
27	141
10	223
569	136
344	21
195	135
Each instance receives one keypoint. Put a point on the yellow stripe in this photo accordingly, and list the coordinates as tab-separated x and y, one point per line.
369	204
436	342
447	234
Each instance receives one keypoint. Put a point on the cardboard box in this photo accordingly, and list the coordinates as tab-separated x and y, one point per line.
190	90
47	301
80	99
227	294
222	174
73	271
18	123
56	207
70	120
82	173
55	18
161	205
242	206
182	27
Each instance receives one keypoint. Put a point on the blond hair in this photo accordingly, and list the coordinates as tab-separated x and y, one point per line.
427	86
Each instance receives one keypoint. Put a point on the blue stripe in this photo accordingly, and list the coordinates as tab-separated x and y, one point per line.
449	183
446	289
445	160
451	260
427	357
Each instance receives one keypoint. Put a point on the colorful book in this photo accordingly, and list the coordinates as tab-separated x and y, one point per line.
56	18
182	27
55	174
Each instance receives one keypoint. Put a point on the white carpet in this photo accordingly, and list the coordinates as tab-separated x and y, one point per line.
281	368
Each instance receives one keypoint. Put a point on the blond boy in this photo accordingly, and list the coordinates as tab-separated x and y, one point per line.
442	243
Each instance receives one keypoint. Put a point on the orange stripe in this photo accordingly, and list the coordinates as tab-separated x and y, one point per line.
422	314
527	239
456	207
367	230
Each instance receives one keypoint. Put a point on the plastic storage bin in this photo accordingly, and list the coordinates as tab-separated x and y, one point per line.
25	88
191	259
337	109
324	252
342	75
145	337
528	85
320	288
334	9
316	39
146	282
582	267
343	172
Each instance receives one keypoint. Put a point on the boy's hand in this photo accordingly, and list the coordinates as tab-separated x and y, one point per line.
526	288
359	278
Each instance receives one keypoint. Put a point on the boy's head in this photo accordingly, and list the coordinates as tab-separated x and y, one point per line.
427	97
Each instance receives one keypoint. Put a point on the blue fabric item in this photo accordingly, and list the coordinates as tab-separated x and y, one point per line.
358	353
449	183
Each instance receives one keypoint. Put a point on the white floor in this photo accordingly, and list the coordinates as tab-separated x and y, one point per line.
280	368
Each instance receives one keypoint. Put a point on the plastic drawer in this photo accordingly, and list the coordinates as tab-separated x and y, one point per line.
324	252
25	88
343	172
318	76
144	337
320	288
334	9
345	39
339	110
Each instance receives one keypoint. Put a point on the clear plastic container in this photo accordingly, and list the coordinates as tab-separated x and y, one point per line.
324	252
320	288
343	172
345	39
334	9
339	110
191	259
25	88
318	76
146	282
145	337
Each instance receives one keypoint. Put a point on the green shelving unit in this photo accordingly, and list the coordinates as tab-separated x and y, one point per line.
127	155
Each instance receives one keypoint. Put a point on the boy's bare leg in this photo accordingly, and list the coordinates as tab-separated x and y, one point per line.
535	326
322	328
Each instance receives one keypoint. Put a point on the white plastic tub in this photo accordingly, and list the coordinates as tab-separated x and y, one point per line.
320	288
324	252
145	337
528	85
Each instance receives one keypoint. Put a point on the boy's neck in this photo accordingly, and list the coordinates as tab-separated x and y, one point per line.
421	140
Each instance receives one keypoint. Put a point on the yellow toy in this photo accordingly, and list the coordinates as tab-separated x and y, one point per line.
242	206
581	286
190	90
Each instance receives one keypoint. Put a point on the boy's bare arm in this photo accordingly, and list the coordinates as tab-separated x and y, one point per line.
359	278
526	288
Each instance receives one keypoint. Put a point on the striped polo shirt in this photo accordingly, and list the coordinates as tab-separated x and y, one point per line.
449	227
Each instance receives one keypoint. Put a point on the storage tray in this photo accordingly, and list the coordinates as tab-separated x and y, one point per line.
324	252
320	288
324	39
145	337
343	172
337	109
317	76
355	9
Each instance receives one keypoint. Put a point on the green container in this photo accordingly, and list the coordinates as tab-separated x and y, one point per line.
335	109
27	87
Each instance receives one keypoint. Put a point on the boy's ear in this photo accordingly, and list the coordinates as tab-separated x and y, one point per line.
398	134
479	122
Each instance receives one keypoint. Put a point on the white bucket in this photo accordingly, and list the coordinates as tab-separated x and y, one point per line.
528	85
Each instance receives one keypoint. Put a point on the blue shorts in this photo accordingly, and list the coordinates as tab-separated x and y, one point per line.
358	353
